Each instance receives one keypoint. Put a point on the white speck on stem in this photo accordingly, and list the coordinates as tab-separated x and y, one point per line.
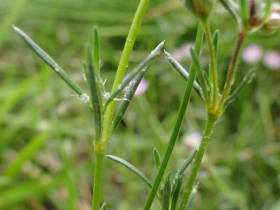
56	68
84	97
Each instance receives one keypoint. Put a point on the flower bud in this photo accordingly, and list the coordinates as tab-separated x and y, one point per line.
199	8
273	21
255	13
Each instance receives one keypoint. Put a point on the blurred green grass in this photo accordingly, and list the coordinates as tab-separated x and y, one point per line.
37	109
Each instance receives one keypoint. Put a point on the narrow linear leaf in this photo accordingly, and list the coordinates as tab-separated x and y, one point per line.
245	81
208	85
157	158
183	72
94	92
103	207
96	48
188	207
48	60
176	192
131	168
200	75
216	42
186	163
179	120
25	154
131	89
232	7
139	68
166	193
182	169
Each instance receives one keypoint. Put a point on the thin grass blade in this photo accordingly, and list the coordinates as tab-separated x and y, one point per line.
48	60
25	154
183	72
131	168
91	75
139	68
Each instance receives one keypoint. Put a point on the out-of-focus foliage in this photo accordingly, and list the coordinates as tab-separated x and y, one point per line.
46	135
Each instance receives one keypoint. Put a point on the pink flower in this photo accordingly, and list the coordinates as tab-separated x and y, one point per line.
272	59
183	52
252	53
192	140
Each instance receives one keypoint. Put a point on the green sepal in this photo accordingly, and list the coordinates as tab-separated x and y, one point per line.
183	72
48	60
157	158
95	92
132	74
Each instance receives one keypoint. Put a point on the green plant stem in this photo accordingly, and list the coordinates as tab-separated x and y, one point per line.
98	168
177	126
100	145
108	116
231	72
213	66
211	120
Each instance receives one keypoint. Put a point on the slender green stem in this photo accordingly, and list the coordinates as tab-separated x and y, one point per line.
213	66
177	126
101	144
231	72
98	168
108	117
211	119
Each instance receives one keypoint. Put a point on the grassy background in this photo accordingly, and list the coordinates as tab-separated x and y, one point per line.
46	151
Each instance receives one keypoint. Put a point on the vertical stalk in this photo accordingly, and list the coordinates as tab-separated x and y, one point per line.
108	116
211	120
177	126
231	71
213	66
100	145
98	168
